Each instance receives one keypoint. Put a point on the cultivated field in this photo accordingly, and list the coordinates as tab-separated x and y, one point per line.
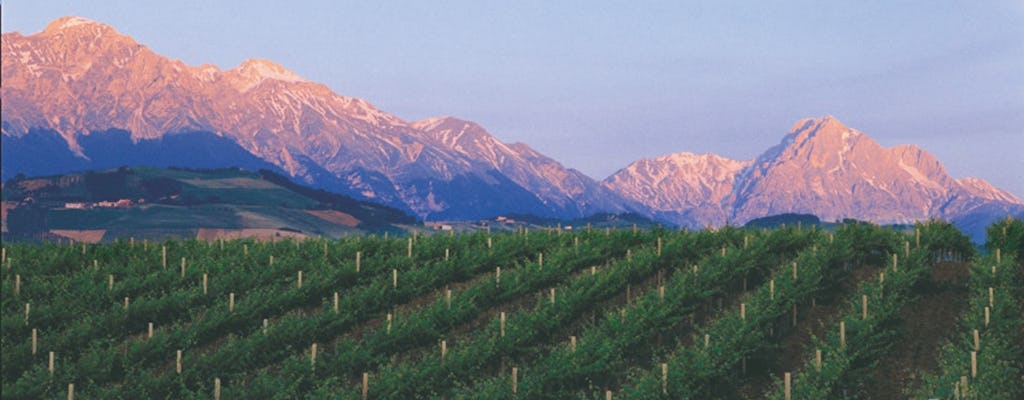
858	312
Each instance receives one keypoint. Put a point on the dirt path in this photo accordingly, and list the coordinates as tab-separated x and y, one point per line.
811	322
924	326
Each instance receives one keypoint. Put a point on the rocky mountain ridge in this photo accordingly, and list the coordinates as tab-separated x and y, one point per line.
81	95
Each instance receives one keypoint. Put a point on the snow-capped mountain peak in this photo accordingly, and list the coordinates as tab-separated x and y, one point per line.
69	22
254	71
696	183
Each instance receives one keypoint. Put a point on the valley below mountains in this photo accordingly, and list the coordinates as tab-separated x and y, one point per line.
81	96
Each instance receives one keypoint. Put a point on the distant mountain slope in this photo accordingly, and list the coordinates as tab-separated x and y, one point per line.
821	168
78	78
154	202
683	188
567	191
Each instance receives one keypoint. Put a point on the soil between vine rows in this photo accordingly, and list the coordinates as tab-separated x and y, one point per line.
925	325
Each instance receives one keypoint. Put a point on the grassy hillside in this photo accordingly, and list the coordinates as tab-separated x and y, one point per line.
156	202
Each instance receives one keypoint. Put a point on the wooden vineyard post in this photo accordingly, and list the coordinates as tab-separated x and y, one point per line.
552	296
444	349
963	386
390	317
163	257
490	243
266	324
842	333
917	237
723	251
299	283
977	341
659	246
497	276
446	254
231	301
987	319
895	260
629	254
664	378
206	281
661	292
325	249
906	249
608	395
501	323
149	335
999	256
271	260
335	302
991	297
794	314
95	265
359	256
789	385
394	278
743	311
312	356
746	241
366	384
448	298
540	261
245	249
408	252
183	267
817	360
707	340
864	307
71	391
17	284
28	310
974	364
572	343
794	272
216	388
35	340
771	289
49	365
110	282
593	270
629	294
177	363
515	380
126	303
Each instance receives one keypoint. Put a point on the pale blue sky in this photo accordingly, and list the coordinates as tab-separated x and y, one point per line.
597	85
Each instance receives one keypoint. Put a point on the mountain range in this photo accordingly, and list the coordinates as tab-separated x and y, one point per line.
80	95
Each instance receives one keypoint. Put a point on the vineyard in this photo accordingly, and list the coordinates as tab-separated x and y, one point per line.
791	313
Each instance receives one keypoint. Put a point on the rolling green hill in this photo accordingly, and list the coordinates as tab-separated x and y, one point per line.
208	204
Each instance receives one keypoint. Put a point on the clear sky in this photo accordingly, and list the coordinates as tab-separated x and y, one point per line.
599	84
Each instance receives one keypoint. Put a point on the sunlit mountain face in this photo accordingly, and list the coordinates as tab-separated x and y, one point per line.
79	95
